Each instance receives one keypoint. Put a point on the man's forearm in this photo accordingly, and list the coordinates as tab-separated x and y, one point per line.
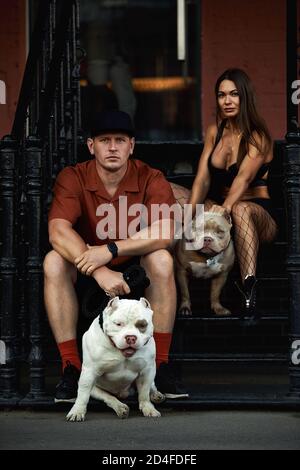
68	243
155	237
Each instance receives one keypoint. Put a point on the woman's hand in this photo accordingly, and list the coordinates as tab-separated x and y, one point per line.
222	211
93	258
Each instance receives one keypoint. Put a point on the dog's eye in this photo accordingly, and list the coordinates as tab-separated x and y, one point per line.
118	323
141	325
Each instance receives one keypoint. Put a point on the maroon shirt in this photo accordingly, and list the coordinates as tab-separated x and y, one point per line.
79	193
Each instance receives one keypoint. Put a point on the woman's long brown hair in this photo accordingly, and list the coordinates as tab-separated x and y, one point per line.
248	119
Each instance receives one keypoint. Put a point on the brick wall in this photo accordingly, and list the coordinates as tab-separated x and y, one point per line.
248	35
12	57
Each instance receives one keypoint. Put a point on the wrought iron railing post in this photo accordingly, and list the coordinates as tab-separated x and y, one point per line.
8	269
33	175
291	63
48	111
292	194
292	189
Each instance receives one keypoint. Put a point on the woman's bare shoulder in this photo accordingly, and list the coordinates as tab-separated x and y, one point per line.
211	132
212	129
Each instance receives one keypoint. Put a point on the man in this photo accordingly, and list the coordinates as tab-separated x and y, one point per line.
85	224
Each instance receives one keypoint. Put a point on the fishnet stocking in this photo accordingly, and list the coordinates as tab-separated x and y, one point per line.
252	225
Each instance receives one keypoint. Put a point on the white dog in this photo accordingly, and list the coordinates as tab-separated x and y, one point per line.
116	352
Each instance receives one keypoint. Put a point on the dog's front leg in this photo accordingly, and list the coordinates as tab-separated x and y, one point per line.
182	278
217	284
121	409
85	385
143	383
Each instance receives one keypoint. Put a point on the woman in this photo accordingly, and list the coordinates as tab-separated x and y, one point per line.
232	175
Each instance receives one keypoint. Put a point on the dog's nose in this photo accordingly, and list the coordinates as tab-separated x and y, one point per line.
207	240
130	339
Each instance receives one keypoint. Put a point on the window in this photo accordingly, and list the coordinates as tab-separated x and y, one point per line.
132	64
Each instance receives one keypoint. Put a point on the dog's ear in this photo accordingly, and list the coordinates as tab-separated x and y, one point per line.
113	303
229	219
145	302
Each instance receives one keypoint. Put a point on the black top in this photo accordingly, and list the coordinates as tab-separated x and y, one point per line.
220	177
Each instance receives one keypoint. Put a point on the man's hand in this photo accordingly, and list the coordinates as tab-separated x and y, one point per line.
93	258
111	282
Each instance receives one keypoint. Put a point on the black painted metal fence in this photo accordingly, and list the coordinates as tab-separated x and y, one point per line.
45	137
292	189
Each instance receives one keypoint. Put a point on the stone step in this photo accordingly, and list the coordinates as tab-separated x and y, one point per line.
194	318
231	358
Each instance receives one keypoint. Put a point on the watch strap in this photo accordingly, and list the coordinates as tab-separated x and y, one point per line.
112	247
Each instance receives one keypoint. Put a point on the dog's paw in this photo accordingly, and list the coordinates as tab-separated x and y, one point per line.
122	411
185	310
221	311
149	411
157	397
76	414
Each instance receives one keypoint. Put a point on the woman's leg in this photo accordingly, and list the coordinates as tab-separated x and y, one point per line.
252	225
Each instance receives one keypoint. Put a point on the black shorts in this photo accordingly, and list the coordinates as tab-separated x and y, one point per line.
268	206
263	202
89	293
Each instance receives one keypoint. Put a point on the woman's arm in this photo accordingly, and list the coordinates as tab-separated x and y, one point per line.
247	172
202	180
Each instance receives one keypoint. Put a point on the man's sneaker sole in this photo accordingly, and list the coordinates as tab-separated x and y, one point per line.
178	395
64	400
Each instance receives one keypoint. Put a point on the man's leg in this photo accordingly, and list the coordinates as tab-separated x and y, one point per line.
162	296
62	309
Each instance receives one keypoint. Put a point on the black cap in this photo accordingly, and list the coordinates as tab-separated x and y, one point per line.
112	121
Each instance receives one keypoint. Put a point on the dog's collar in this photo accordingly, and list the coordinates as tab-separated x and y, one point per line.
211	260
101	319
101	326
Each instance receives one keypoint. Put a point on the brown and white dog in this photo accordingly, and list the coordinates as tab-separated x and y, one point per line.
212	258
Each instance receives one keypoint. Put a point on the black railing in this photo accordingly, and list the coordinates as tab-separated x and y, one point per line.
44	138
28	91
8	267
292	51
292	189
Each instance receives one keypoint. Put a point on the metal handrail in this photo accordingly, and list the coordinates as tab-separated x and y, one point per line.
26	91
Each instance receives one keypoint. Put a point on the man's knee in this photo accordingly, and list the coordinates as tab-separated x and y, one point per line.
159	264
56	266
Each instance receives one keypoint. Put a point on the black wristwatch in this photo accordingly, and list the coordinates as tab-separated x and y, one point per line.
112	247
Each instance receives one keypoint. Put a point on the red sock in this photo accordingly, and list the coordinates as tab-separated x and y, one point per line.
69	352
163	343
